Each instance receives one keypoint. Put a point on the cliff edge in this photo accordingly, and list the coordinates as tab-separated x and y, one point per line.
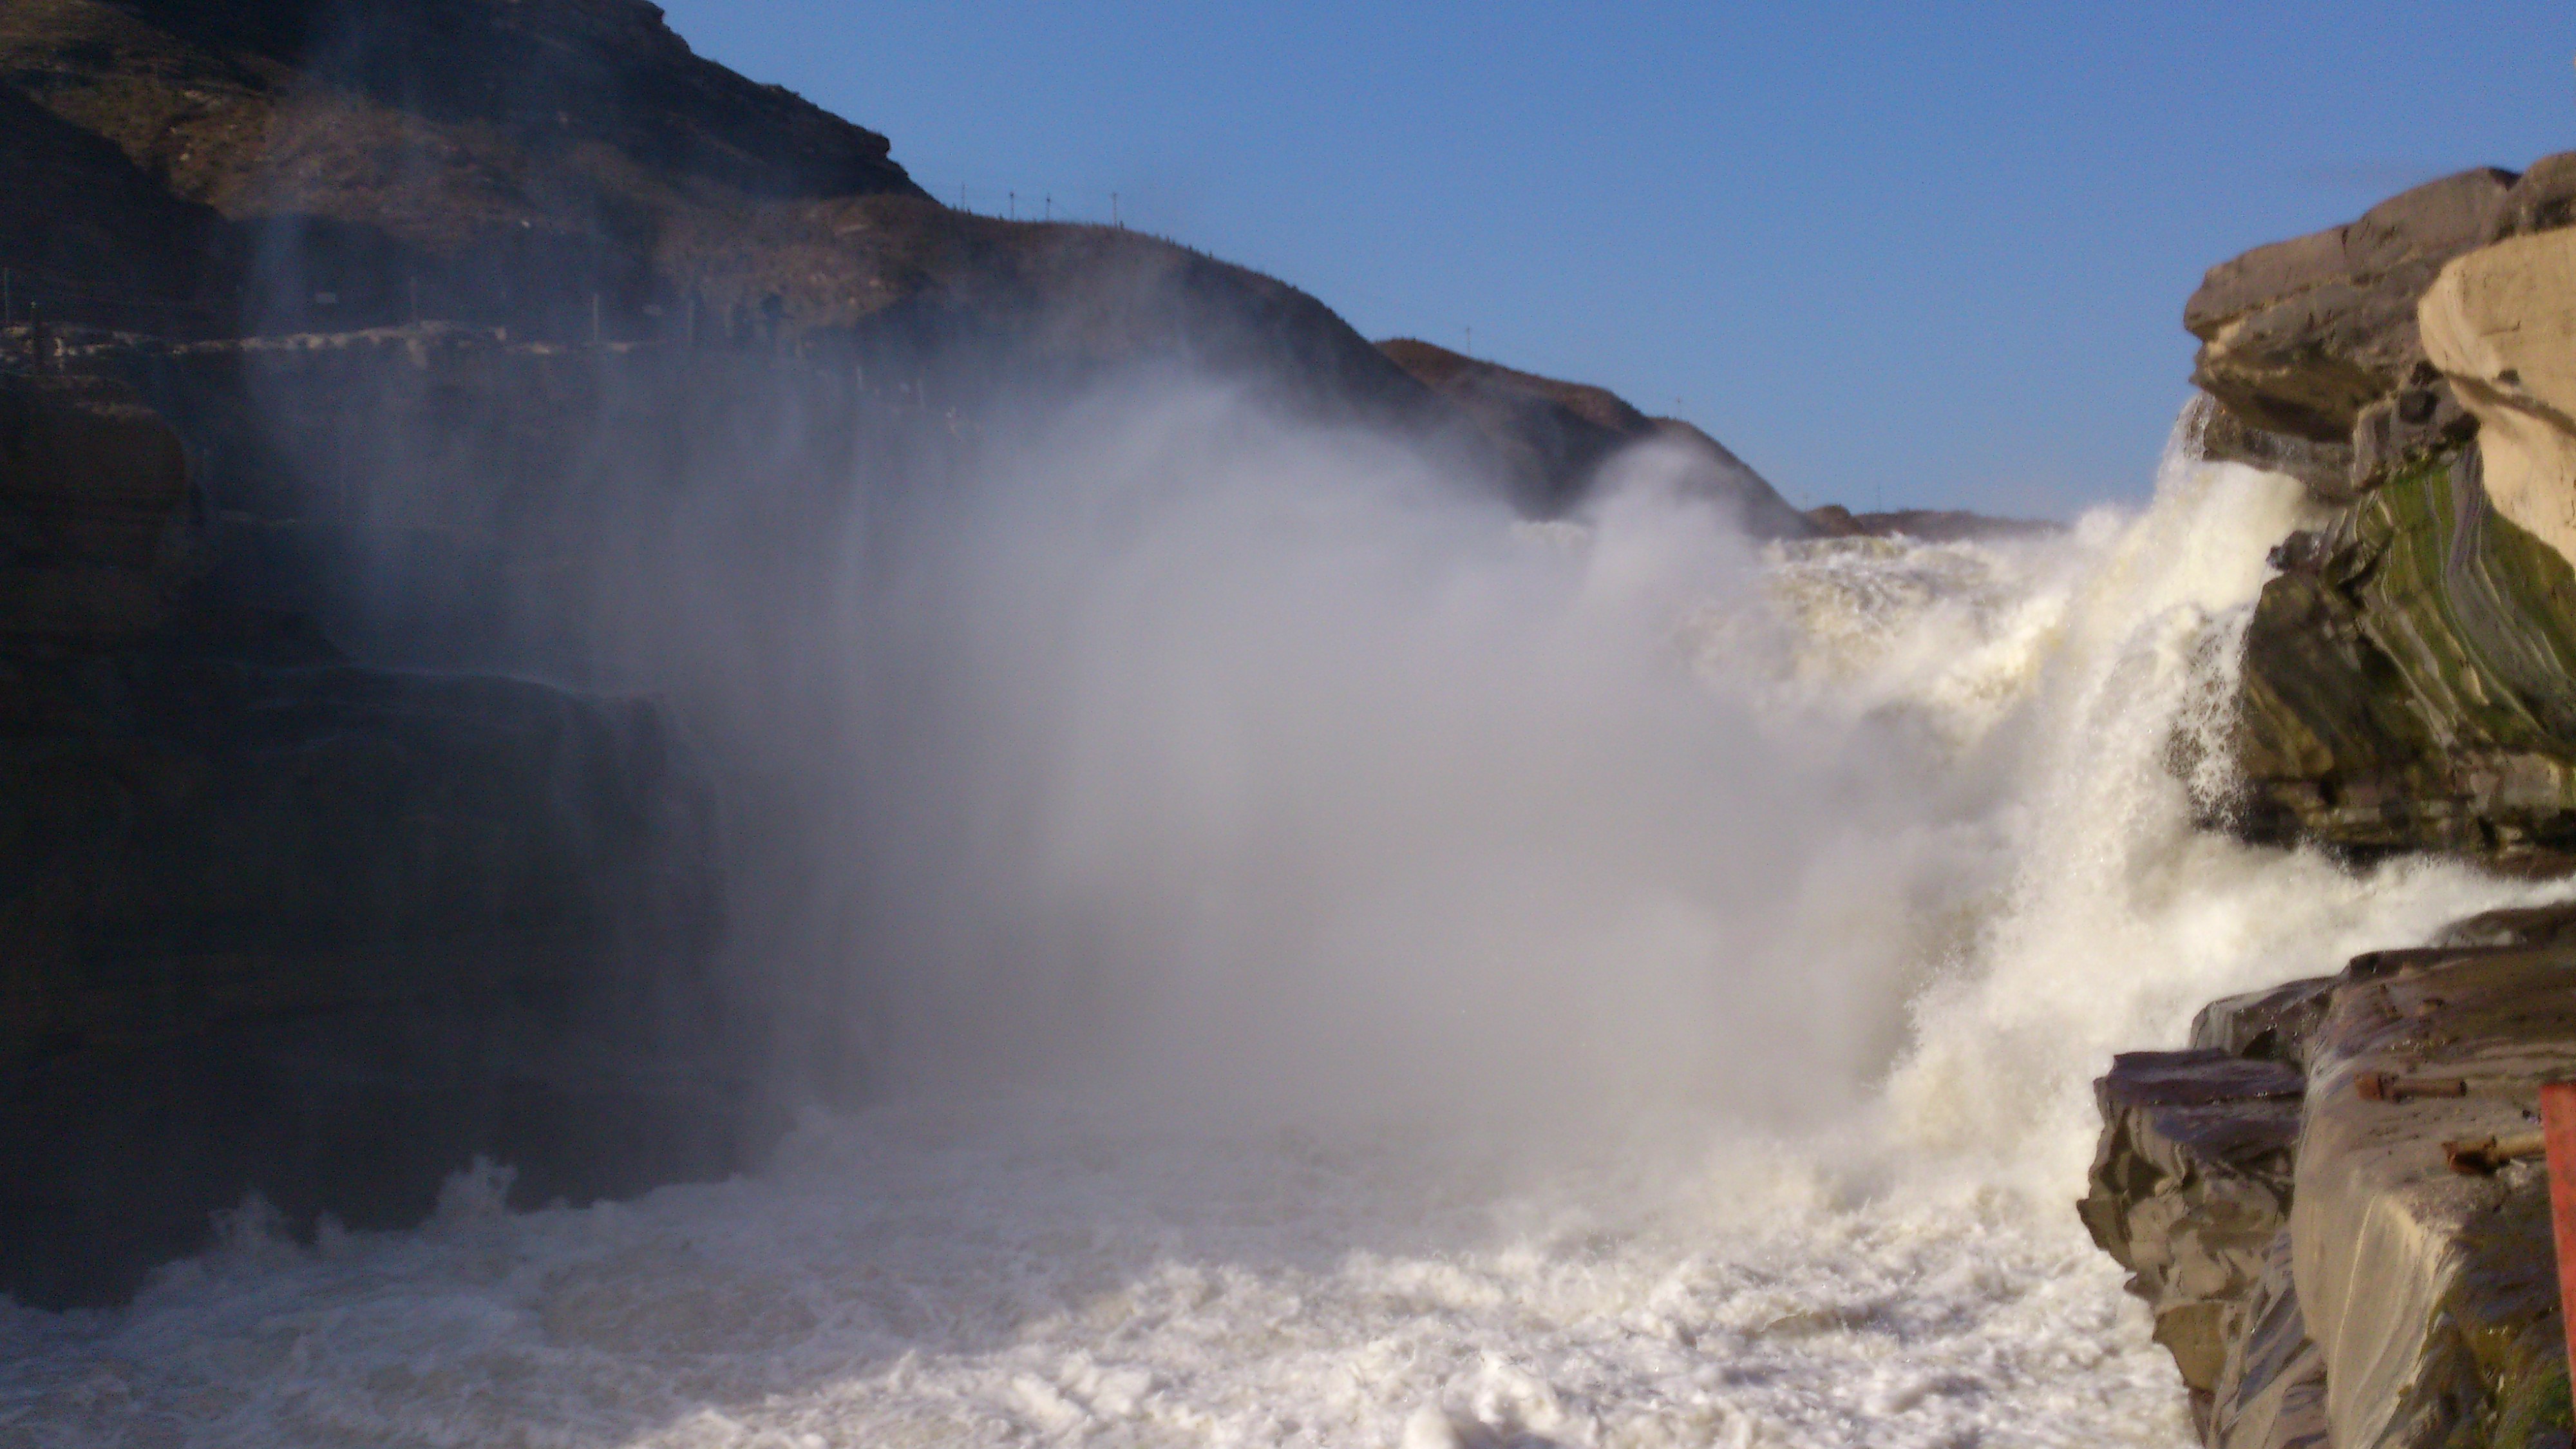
2322	1197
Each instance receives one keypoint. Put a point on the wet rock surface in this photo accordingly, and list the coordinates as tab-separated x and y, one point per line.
2409	681
2397	1300
2189	1189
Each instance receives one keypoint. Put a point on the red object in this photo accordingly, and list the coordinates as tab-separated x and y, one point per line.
2558	1126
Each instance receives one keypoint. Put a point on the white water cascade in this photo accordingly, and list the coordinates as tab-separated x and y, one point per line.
1371	973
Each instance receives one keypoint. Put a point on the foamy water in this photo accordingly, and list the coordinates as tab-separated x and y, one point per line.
1649	1002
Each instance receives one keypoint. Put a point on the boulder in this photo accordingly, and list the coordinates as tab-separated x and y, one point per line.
2500	324
2299	336
2189	1189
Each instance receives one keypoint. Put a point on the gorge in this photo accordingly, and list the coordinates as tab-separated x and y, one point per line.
659	792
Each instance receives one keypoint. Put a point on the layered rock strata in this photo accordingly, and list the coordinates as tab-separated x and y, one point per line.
2408	684
2311	346
2410	678
2286	1196
2500	325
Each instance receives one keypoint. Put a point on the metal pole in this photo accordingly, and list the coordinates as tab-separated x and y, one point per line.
1113	212
2558	1130
1012	201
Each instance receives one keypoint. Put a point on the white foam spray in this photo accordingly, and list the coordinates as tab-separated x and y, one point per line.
1351	970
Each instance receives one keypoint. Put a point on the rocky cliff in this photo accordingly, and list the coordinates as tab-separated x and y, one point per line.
278	923
2323	1203
567	171
340	344
2329	1199
2406	679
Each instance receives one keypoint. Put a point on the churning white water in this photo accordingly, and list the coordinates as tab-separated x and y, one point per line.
1372	974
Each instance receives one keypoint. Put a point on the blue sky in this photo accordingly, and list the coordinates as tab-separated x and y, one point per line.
1930	254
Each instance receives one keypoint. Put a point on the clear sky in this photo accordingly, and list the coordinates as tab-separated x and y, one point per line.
1922	253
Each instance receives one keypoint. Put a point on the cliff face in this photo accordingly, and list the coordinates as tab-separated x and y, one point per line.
2317	1198
274	922
567	171
2407	678
377	328
329	162
2410	679
563	170
2327	1264
2311	348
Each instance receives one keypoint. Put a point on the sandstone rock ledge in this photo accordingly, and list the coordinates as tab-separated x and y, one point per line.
2283	1197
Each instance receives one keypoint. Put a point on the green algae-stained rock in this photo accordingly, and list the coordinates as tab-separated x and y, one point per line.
2410	680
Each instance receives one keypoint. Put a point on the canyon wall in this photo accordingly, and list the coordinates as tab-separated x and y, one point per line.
2326	1198
375	383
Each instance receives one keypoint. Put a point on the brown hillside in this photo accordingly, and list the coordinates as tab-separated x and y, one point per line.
1565	430
566	169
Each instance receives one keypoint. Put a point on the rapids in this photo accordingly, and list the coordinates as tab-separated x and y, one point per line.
1375	974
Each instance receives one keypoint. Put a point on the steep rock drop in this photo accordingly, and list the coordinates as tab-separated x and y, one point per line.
1298	1160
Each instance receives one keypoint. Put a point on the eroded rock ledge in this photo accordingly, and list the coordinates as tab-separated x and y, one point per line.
2409	679
2282	1195
2282	1192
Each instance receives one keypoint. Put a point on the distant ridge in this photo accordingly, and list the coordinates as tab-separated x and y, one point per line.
1564	431
1931	525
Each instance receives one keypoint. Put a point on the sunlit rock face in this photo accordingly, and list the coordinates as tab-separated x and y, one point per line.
2310	346
2301	335
2500	323
2410	677
2283	1194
